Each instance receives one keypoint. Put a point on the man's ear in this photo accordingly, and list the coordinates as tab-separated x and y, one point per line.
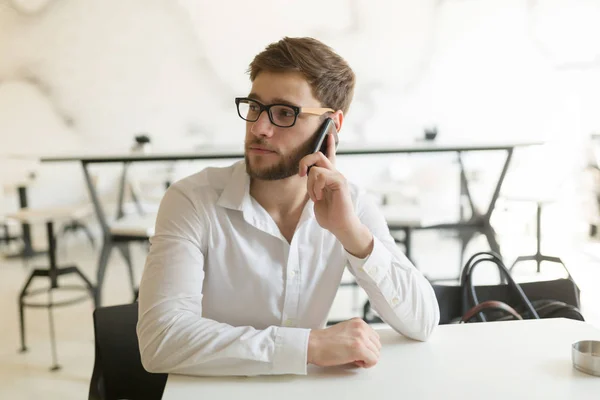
338	119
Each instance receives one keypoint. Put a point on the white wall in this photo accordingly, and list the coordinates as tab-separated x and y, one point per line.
91	74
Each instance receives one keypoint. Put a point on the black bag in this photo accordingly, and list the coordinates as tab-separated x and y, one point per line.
557	298
546	302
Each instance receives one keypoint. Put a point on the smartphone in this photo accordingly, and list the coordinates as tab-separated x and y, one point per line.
326	128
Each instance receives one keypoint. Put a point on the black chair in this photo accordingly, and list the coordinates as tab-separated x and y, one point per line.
118	371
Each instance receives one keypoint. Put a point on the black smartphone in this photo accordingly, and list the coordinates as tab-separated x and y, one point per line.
326	128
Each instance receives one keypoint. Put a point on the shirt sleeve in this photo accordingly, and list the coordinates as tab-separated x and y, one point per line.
173	336
399	292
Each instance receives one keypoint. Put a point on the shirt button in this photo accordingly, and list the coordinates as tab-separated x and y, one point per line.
292	274
289	323
395	301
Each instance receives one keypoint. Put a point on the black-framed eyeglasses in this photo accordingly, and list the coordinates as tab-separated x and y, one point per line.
282	115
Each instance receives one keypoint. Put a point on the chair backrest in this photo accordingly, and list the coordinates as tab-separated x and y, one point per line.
118	371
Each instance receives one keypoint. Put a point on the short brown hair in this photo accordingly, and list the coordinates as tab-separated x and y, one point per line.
329	75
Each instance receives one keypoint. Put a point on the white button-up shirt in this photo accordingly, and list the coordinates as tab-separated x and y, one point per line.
224	293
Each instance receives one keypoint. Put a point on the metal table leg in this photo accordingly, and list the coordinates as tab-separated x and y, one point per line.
478	222
27	251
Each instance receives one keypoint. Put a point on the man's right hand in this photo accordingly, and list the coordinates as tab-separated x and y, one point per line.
352	341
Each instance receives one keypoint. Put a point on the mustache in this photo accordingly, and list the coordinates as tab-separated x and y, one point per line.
260	143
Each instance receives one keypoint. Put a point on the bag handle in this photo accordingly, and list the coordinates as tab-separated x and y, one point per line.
489	305
468	288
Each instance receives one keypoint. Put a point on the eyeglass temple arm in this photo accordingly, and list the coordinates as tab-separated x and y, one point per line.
316	111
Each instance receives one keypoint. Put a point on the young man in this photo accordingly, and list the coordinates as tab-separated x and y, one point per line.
246	260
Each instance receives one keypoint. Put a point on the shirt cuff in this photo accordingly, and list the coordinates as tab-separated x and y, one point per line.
291	351
374	265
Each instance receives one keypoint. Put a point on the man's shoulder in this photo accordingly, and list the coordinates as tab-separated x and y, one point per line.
356	191
208	183
361	198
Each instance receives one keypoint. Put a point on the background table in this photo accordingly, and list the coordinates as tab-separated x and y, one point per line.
478	222
496	360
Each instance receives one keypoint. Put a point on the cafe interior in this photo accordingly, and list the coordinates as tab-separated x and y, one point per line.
474	128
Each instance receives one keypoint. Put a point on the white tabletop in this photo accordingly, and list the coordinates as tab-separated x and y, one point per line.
495	360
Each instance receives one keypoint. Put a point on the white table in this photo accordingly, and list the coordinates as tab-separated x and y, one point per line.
495	360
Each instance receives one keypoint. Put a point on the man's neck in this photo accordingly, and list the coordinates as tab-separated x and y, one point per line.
280	198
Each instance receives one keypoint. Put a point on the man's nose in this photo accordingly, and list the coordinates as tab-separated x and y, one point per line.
262	126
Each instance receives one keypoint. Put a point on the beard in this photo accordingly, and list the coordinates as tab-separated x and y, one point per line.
288	166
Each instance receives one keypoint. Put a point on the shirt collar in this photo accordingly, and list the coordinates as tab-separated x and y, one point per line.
236	194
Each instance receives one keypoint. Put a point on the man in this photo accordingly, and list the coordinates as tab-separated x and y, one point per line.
246	260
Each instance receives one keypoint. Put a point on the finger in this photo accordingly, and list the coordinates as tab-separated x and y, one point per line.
320	182
369	355
317	181
310	184
373	347
316	178
315	159
307	162
374	338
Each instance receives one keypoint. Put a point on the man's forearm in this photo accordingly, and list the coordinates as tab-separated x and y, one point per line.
216	349
357	240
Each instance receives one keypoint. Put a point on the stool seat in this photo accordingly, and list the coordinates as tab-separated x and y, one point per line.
5	219
41	215
399	216
542	199
134	226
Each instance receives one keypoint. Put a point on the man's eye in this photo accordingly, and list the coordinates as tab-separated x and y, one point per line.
286	113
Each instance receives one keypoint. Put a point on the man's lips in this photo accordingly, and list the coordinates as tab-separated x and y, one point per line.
260	150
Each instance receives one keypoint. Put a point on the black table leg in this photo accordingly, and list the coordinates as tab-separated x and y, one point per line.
478	222
27	248
122	185
483	221
27	251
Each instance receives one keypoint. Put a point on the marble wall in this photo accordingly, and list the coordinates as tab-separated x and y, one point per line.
90	74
